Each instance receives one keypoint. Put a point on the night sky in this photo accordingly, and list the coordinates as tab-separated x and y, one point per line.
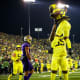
14	15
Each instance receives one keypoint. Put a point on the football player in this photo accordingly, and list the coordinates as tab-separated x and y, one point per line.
76	65
17	63
27	66
70	64
59	39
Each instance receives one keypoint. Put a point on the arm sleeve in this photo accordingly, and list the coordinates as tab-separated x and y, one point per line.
66	31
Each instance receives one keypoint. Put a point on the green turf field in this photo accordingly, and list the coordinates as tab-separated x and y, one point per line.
45	76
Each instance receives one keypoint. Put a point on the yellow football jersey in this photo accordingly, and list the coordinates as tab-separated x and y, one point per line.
59	44
16	55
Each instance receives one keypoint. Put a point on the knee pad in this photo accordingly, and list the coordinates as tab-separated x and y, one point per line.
53	71
65	72
20	73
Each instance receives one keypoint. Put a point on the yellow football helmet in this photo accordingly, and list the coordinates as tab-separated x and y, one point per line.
18	46
55	12
28	38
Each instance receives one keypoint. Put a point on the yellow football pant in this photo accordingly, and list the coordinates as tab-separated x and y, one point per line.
63	63
17	68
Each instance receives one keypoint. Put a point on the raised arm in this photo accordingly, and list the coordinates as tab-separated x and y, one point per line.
52	33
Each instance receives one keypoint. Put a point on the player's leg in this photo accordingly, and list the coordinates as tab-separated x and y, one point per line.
20	67
26	69
30	73
11	71
42	67
64	66
20	76
31	70
26	75
72	67
76	66
9	77
14	72
54	67
53	74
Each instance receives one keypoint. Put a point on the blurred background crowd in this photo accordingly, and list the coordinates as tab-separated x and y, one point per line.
39	52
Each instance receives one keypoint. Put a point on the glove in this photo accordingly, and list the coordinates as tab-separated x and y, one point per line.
70	51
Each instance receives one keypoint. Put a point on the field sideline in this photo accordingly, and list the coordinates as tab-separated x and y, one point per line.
45	76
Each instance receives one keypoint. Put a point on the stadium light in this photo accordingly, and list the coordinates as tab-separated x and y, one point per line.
29	0
38	30
60	5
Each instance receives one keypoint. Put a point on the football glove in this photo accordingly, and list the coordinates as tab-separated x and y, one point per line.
70	51
50	51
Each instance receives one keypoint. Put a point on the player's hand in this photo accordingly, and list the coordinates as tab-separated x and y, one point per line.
70	51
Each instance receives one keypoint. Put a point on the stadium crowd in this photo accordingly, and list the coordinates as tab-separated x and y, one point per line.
39	51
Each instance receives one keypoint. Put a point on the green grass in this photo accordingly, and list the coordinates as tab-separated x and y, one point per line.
45	76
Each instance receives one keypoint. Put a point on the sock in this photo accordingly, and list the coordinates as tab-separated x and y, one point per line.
66	76
29	75
53	76
9	76
20	77
25	77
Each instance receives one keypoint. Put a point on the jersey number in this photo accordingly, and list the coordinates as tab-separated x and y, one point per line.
60	42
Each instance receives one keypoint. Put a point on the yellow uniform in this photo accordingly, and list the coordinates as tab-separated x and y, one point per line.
42	65
17	63
59	46
76	64
48	66
59	49
70	64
